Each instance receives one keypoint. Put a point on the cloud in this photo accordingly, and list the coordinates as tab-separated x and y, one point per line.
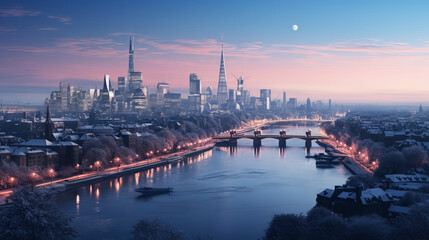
123	34
91	47
370	47
48	29
18	12
6	29
26	49
65	20
208	47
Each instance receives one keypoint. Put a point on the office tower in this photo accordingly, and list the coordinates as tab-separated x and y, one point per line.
122	86
65	95
222	90
161	89
106	96
131	56
232	96
284	100
139	100
135	81
194	84
292	103
239	92
265	96
421	108
246	97
330	105
308	107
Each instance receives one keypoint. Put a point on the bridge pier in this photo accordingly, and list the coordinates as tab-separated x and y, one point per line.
282	138
257	138
308	138
232	139
282	142
257	142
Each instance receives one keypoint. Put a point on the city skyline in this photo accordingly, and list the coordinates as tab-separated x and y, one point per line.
376	63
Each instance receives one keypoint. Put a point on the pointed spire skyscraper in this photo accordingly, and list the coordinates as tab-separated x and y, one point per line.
131	56
222	90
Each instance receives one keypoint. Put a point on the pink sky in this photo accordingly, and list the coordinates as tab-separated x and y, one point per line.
369	71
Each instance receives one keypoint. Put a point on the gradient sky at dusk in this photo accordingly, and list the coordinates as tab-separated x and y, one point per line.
350	51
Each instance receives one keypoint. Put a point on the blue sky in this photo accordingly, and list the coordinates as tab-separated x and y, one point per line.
381	43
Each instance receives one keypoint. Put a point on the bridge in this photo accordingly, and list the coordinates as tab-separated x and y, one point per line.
257	138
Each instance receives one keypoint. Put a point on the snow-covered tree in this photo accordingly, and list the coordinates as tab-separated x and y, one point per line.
34	215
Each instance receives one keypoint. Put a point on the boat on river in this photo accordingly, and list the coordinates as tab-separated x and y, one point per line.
173	159
324	164
149	191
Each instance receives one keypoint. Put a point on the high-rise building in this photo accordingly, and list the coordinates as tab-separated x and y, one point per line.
292	103
161	89
65	95
222	90
265	96
194	84
308	107
122	86
135	81
330	105
232	96
240	93
284	103
106	96
131	56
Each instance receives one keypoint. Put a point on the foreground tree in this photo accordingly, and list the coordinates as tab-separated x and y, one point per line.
287	226
414	225
368	227
391	163
323	225
366	180
156	230
34	215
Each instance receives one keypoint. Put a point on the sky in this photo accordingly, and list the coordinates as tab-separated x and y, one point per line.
357	52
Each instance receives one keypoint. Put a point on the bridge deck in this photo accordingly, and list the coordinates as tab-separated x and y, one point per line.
268	136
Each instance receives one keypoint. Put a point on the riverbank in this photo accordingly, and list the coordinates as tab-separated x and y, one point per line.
349	163
66	184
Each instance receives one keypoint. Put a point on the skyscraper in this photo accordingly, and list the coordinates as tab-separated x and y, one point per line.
284	100
127	82
222	90
194	84
239	92
122	85
131	56
265	96
135	81
308	107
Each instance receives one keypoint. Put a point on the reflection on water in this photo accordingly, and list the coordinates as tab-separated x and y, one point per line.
226	193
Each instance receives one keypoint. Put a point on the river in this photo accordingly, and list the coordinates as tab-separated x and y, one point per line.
223	193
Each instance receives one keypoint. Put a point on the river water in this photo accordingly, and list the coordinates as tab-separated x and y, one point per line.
223	194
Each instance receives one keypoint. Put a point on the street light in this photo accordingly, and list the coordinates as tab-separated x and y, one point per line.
117	162
33	179
11	181
51	174
97	165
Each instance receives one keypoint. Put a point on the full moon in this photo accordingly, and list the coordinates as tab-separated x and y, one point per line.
295	27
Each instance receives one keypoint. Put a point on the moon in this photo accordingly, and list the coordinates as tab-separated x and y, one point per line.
295	27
